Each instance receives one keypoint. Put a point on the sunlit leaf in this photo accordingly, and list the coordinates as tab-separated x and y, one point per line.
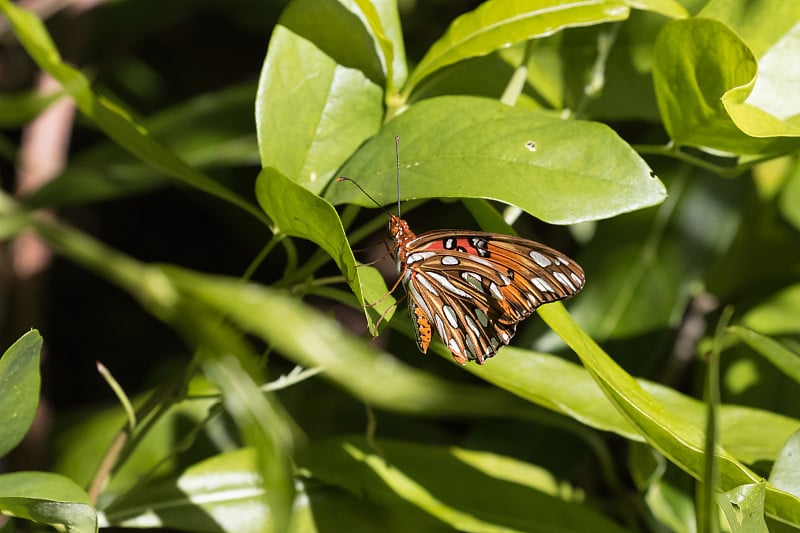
561	171
19	389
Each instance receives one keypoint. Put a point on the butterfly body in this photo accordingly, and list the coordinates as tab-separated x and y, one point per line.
473	288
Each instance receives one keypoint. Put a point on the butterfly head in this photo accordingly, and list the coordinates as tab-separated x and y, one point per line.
399	230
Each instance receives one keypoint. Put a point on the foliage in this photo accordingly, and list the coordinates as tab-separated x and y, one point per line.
661	136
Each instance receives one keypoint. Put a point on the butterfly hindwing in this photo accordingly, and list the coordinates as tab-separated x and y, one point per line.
474	287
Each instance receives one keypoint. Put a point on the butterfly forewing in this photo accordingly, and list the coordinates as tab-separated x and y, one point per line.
474	287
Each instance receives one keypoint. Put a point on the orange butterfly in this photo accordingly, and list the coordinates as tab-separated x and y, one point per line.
474	287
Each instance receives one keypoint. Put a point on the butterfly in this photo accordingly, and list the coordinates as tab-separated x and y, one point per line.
474	287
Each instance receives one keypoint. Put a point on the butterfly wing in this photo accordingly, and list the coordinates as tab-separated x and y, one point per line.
474	287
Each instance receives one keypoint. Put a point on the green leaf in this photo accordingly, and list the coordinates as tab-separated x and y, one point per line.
313	339
80	447
697	63
111	118
744	508
667	430
561	171
513	495
297	212
749	434
651	261
47	499
777	314
760	23
314	106
497	24
785	473
772	106
316	340
790	197
209	131
227	360
383	21
19	389
320	509
221	493
20	108
784	359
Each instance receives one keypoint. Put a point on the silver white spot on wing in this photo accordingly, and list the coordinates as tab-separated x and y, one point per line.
473	279
450	260
418	256
450	315
577	279
542	285
425	283
453	345
539	258
472	325
444	282
564	280
495	291
439	324
482	261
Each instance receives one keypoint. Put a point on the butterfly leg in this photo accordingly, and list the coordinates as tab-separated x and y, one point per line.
380	259
382	298
383	316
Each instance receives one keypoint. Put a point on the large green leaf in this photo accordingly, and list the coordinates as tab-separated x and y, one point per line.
111	118
771	104
315	340
497	24
760	23
19	389
312	339
314	106
228	362
468	490
697	63
665	429
561	171
47	498
785	472
221	493
297	212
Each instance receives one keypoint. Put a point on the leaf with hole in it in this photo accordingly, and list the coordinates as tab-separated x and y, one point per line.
297	212
47	498
743	508
561	171
19	389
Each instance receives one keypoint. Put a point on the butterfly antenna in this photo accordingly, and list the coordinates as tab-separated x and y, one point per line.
397	161
360	188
